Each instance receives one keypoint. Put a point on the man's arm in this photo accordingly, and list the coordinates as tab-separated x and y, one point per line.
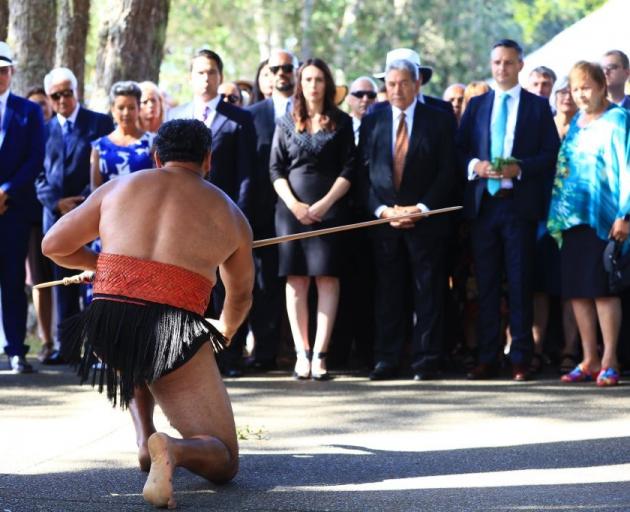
65	241
237	274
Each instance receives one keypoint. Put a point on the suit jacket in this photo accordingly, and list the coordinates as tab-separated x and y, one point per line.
68	174
626	102
21	153
536	146
264	196
429	171
233	147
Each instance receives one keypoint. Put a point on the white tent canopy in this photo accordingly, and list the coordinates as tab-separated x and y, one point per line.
607	28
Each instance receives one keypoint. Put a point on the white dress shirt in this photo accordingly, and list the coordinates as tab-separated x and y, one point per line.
508	143
409	113
199	107
356	127
73	118
281	105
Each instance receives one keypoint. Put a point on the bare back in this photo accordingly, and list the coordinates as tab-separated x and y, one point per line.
171	216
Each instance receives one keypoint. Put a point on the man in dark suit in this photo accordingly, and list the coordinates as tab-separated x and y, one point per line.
65	181
617	70
505	204
268	305
233	136
232	166
21	158
425	75
407	165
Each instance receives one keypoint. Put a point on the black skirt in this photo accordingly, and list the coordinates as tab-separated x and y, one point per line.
583	273
128	342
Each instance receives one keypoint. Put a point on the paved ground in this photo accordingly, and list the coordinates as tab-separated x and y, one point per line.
346	445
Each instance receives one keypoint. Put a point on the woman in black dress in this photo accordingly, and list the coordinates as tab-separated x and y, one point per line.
312	158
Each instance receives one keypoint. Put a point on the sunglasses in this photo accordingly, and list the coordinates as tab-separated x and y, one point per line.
56	96
286	68
360	94
612	67
232	98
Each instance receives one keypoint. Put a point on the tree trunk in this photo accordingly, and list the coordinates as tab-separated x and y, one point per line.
73	20
4	19
131	45
32	39
307	15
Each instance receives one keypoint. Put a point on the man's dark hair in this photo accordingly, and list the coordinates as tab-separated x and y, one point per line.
622	57
35	90
210	55
509	43
182	140
544	71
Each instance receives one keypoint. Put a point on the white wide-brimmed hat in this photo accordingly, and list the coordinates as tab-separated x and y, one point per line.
408	55
6	55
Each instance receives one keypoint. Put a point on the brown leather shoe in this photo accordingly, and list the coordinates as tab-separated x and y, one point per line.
520	372
483	371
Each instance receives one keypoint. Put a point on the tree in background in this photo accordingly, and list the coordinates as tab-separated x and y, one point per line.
4	19
131	45
32	39
73	19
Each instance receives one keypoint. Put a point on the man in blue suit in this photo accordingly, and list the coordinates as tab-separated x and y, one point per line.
505	204
21	158
232	166
65	181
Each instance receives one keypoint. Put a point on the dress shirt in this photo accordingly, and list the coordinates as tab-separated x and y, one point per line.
73	118
3	107
199	106
409	113
281	105
356	126
508	143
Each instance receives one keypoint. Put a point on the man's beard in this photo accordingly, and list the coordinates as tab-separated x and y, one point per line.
286	87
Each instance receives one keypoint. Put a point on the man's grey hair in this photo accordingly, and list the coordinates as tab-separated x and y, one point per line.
367	79
403	65
294	59
544	71
60	75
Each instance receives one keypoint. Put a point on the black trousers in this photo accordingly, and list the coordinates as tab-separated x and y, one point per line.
504	243
405	259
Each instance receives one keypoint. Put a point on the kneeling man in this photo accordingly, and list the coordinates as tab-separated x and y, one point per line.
164	234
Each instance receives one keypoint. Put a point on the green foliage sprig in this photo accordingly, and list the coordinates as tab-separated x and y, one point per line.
499	162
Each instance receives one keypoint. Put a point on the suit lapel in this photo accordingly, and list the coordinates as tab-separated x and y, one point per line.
383	132
6	120
79	128
219	120
521	120
417	132
485	117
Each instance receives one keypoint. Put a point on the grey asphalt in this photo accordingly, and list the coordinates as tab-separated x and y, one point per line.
345	445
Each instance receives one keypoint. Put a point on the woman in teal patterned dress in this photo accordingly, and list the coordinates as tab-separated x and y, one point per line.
590	204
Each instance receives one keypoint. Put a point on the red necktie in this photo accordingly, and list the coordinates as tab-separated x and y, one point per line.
400	150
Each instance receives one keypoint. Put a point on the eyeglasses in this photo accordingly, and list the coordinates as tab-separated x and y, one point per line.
56	96
232	98
360	94
286	68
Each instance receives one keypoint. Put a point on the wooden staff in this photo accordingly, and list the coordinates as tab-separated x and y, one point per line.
347	227
88	276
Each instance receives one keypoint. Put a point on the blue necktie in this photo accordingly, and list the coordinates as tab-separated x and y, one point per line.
497	140
67	133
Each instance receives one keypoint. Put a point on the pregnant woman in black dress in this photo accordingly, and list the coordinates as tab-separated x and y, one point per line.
312	158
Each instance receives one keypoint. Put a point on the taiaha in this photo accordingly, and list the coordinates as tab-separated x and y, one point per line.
87	276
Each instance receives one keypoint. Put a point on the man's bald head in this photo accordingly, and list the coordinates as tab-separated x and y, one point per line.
362	94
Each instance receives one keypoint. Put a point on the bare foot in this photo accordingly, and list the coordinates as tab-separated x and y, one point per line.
158	490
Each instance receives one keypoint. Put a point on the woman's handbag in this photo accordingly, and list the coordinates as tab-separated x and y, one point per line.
618	267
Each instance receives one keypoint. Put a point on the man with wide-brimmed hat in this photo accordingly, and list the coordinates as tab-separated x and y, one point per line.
22	157
425	74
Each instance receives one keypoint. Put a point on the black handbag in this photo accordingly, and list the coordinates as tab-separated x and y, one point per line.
618	267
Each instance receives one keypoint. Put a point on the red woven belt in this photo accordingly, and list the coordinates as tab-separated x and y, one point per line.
152	281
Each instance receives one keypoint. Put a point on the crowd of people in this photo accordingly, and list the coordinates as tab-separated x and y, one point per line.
516	280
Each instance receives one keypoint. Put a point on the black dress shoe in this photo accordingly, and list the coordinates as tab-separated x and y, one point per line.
232	372
19	364
383	371
54	358
483	371
427	375
261	366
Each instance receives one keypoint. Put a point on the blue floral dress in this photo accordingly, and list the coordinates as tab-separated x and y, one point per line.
117	160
